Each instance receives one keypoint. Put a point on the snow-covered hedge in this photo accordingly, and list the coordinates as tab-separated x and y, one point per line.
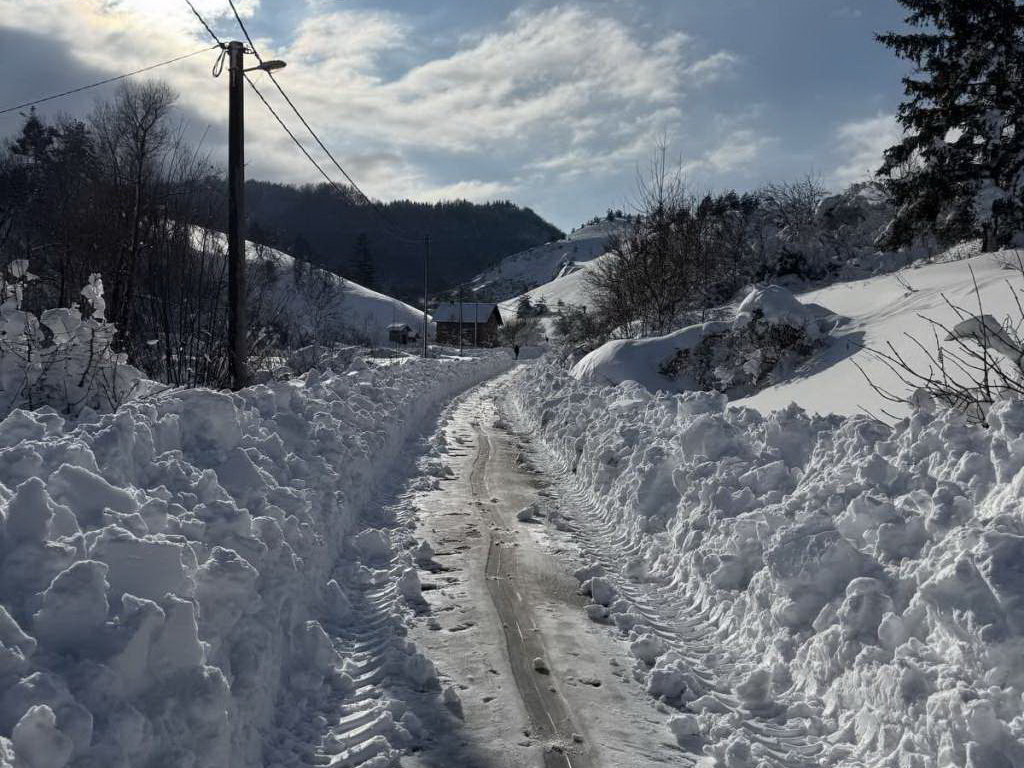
861	583
60	359
162	568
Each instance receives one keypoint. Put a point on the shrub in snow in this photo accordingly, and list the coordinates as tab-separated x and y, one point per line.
979	360
770	333
61	358
860	580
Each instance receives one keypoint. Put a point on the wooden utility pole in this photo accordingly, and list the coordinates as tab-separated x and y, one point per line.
238	326
460	319
426	260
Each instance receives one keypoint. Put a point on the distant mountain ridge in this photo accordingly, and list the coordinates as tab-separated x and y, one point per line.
348	237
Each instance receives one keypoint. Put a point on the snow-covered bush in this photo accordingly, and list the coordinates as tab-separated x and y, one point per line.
62	359
810	235
769	334
846	587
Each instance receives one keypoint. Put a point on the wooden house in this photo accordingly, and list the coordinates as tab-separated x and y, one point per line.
478	320
400	333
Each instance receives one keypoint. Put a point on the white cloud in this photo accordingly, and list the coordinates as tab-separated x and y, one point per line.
472	189
861	144
560	92
739	148
715	67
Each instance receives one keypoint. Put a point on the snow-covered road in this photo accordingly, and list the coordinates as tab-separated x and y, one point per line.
539	683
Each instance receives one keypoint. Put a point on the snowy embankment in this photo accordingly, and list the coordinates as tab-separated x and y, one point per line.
832	364
839	591
895	310
163	568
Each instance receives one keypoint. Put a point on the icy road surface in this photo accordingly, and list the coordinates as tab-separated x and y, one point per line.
538	683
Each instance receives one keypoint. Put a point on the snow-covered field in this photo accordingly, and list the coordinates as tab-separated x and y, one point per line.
316	301
802	590
884	310
169	573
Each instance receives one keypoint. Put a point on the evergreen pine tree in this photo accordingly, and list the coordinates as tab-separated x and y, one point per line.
524	308
958	170
362	263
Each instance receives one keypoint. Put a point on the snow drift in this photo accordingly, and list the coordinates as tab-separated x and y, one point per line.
893	309
848	587
164	568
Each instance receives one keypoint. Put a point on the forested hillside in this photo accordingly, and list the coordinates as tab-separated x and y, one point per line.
350	237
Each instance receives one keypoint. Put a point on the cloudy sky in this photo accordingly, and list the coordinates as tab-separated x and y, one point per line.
550	104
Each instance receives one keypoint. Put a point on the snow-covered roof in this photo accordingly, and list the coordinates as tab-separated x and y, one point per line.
399	327
471	312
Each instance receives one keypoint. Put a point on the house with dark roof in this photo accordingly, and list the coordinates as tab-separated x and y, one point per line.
479	322
401	333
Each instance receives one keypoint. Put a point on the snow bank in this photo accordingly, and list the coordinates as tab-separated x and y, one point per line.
851	592
893	310
770	331
162	568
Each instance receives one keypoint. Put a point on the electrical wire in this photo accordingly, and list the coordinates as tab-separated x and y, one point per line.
292	136
393	230
263	98
108	80
396	231
238	18
203	22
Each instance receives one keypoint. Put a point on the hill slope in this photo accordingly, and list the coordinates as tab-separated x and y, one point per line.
854	321
304	300
558	260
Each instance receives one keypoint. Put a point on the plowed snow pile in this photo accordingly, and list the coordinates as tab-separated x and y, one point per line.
162	568
860	586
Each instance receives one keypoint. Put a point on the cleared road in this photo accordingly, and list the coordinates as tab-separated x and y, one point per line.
540	684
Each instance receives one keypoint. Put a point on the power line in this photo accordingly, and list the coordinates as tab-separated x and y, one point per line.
108	80
263	98
203	22
292	135
238	18
397	231
393	230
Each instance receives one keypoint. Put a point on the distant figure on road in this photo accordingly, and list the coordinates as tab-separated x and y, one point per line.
515	348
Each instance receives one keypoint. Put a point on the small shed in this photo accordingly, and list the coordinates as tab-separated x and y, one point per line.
478	320
400	333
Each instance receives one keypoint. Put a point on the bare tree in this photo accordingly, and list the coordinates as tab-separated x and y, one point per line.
967	365
134	137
